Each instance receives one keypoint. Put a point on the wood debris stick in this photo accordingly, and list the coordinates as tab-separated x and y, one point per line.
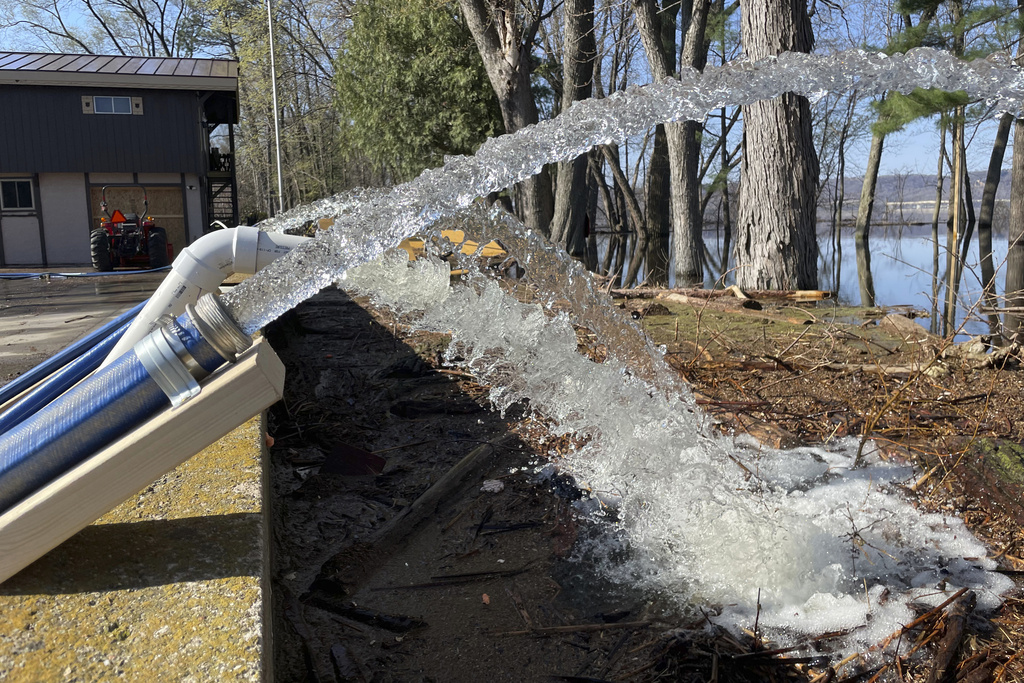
294	613
454	480
347	570
750	405
615	653
911	369
341	606
927	616
944	668
932	614
575	628
444	580
517	600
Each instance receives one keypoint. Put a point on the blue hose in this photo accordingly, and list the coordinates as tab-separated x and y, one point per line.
39	276
48	367
60	381
88	417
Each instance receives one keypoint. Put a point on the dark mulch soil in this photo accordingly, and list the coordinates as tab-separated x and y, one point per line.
480	590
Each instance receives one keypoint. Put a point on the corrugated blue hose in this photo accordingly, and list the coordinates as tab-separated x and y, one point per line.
90	416
60	381
48	367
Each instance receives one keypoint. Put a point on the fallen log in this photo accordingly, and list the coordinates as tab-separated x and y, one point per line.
732	291
720	303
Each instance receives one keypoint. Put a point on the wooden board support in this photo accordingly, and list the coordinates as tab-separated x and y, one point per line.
74	500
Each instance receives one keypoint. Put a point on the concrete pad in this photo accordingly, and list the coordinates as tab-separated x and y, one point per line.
39	317
171	585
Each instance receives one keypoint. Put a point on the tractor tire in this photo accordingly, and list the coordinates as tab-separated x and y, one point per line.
99	250
156	247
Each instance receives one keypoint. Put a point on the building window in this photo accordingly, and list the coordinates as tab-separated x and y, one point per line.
16	194
111	104
107	104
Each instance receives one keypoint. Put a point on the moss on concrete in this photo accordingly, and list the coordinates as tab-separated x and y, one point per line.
168	586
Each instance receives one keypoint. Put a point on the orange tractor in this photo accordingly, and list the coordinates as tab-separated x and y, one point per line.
128	240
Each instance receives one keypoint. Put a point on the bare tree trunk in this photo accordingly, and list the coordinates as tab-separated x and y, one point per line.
726	209
611	212
988	203
683	147
968	230
776	246
1015	252
862	230
632	209
658	187
934	325
953	224
836	238
659	226
505	41
592	260
571	195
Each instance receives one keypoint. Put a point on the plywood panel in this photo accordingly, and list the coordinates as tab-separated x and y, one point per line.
165	206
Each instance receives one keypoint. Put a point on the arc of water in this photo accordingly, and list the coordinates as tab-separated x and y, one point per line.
366	226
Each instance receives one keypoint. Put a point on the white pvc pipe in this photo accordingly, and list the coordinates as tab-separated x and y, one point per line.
201	268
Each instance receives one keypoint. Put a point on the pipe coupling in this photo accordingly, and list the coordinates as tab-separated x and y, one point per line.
170	365
217	327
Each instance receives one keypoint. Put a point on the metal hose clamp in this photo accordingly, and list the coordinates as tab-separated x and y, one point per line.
164	357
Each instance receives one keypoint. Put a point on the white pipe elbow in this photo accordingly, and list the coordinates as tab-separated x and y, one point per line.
200	268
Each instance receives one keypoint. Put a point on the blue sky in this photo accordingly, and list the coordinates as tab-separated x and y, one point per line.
915	149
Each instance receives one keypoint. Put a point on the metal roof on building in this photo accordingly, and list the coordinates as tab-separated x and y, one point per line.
171	73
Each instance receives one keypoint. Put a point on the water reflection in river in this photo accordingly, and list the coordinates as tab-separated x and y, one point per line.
901	267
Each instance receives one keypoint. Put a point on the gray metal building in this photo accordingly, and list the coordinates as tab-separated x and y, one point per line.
72	125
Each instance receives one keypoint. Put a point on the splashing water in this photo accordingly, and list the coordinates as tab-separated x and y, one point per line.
703	520
365	226
700	519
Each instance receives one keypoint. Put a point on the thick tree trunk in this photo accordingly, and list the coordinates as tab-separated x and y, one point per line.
658	188
688	242
571	195
1015	253
504	43
776	246
659	221
862	230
